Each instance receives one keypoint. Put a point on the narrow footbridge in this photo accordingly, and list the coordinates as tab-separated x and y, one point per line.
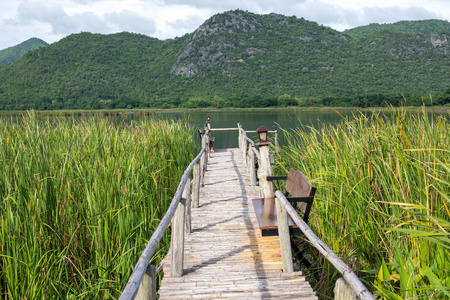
225	255
218	248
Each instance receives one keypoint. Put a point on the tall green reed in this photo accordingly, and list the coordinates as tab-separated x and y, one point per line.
80	200
382	199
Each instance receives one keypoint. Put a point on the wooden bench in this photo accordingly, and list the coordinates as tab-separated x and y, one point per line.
298	190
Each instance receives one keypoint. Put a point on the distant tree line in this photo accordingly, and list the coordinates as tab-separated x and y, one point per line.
236	101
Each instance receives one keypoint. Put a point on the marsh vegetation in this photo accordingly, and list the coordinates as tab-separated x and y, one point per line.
80	199
382	202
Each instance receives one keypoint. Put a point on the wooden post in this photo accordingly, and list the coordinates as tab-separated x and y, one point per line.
187	196
276	141
177	242
267	187
252	167
244	150
240	133
342	291
196	186
203	163
208	139
248	156
147	288
285	240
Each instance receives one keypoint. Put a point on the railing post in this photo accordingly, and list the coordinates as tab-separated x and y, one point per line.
208	136
252	167
187	196
203	163
342	291
285	240
177	242
244	150
267	187
239	138
276	141
147	288
196	186
248	156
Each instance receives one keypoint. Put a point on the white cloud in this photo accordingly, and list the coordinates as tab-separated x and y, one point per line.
51	20
130	21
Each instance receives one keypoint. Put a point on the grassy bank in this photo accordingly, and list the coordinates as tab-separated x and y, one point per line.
80	112
151	112
383	200
80	199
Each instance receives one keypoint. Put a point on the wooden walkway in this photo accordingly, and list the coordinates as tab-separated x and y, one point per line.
225	255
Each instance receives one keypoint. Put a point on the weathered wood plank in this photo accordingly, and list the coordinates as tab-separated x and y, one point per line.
225	255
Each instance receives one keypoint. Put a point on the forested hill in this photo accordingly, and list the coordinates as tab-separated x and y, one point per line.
411	27
11	54
233	59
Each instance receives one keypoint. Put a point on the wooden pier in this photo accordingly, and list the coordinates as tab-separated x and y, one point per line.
217	247
225	255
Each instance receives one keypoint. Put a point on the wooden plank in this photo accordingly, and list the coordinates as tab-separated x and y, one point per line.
226	256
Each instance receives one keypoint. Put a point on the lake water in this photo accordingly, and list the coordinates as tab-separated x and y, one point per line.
251	120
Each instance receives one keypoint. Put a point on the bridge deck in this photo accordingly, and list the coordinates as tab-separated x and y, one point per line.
225	255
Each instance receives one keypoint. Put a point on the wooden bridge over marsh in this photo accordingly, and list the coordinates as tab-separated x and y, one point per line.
219	249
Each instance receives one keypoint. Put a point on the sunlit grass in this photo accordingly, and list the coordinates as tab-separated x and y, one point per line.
80	199
382	201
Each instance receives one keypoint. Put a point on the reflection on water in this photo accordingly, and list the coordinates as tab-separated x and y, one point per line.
251	120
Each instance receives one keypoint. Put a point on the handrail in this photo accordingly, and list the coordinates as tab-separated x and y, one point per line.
249	140
350	277
256	153
134	281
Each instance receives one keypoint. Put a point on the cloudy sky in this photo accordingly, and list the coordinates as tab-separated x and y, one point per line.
52	20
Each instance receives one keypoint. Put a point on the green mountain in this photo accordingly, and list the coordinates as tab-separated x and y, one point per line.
11	54
235	59
423	27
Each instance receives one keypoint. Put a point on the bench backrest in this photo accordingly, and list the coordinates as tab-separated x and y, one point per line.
298	186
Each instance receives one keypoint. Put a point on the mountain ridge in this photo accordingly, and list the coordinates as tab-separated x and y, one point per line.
235	58
11	54
411	27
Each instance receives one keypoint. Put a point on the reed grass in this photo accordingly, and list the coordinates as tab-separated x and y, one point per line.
383	200
80	200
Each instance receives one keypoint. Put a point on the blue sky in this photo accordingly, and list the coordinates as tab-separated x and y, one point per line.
52	20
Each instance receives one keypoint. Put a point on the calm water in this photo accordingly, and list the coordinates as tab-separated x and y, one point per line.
251	120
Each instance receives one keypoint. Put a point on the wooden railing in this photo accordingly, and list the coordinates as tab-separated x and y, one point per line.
284	208
350	285
142	282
